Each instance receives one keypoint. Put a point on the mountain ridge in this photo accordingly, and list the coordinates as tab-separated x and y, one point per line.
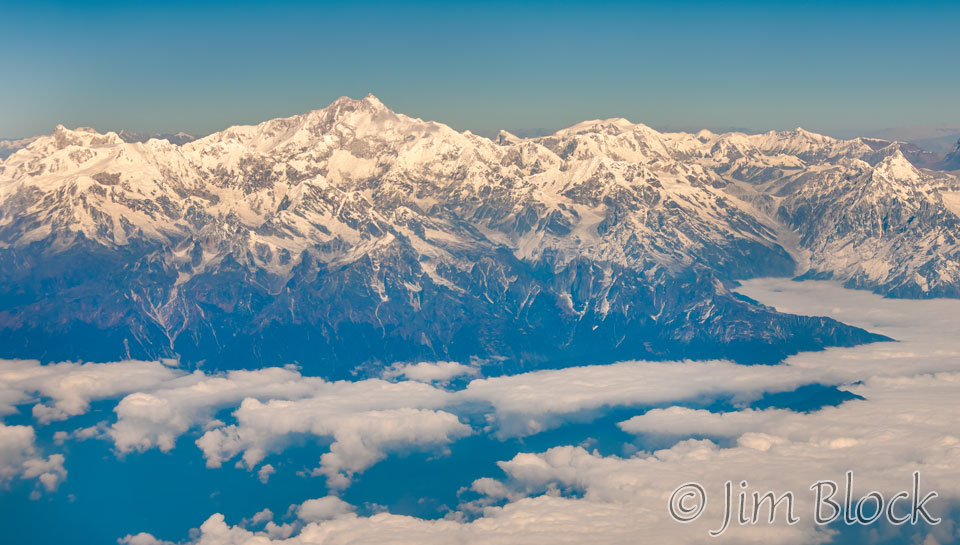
354	221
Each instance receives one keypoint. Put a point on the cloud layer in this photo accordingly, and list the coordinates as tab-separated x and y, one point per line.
566	494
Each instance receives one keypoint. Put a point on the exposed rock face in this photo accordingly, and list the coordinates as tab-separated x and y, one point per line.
351	236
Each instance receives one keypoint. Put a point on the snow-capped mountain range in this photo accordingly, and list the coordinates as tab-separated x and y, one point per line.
352	236
9	147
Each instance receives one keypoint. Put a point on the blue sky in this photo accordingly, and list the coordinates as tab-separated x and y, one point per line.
200	67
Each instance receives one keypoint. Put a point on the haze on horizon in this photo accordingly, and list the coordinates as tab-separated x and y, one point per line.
836	68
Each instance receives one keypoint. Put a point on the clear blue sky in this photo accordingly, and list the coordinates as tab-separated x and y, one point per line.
200	67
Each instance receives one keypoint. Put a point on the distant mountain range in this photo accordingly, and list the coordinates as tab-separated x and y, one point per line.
8	147
174	138
936	139
350	237
952	159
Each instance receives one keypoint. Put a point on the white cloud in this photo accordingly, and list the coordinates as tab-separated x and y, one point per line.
623	500
262	516
99	431
48	471
71	387
19	458
280	531
326	508
905	424
684	422
927	333
142	538
157	418
264	473
532	402
365	419
440	372
16	446
544	520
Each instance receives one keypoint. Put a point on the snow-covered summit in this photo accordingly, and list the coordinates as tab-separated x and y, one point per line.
614	124
896	167
355	175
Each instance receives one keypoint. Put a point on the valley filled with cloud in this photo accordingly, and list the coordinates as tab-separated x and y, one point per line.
883	409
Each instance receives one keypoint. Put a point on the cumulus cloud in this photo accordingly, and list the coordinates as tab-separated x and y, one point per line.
264	473
70	387
544	520
19	457
155	419
440	372
142	538
365	419
99	431
326	508
262	517
16	446
48	471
